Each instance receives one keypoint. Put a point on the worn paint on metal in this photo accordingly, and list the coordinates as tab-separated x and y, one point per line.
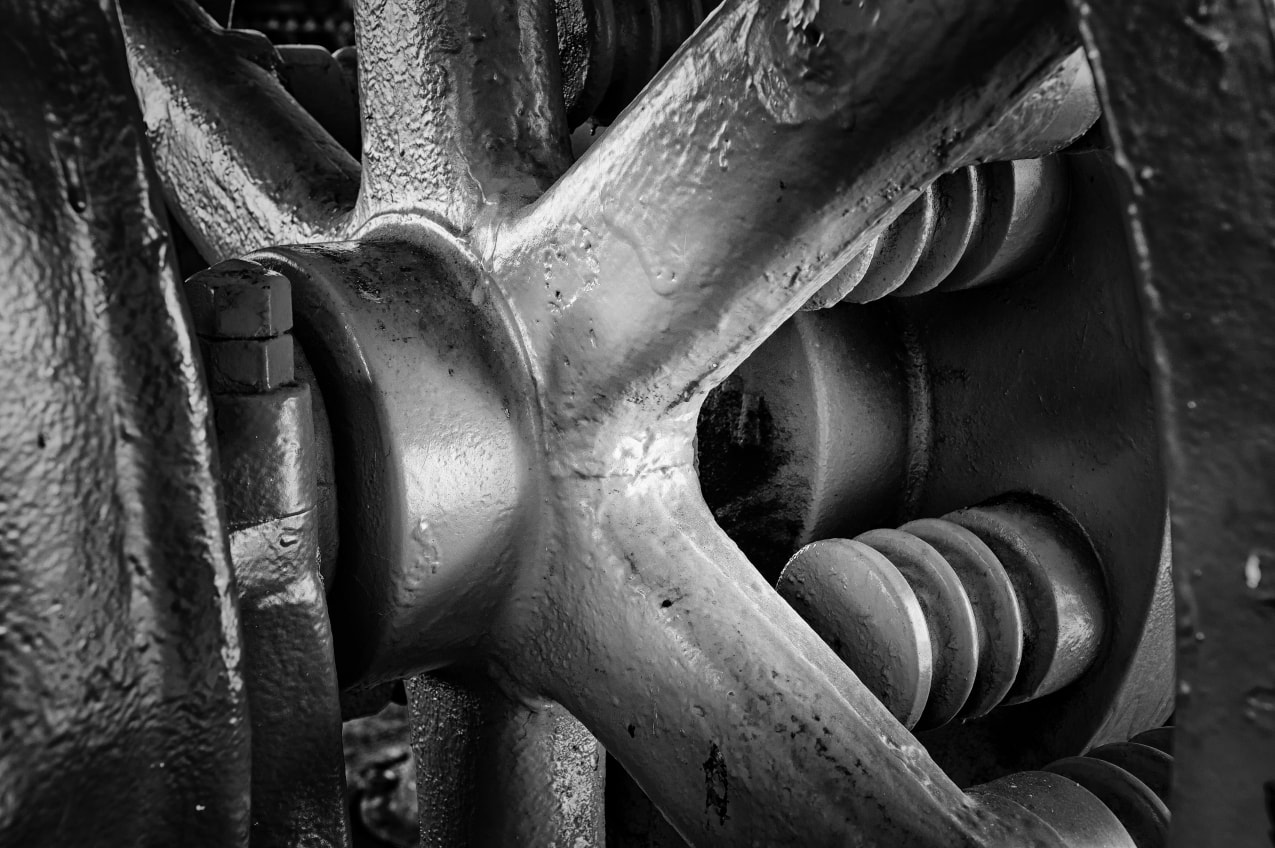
265	438
242	166
514	391
123	715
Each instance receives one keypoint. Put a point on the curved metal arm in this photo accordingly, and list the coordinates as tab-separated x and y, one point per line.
764	155
738	721
266	172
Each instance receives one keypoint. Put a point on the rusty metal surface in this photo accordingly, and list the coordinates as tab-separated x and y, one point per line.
1195	148
122	702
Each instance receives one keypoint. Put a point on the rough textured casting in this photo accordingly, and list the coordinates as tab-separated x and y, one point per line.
445	428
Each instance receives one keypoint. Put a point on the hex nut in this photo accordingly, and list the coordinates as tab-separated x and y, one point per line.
237	366
237	299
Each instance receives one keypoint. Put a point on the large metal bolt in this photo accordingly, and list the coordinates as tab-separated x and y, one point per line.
266	455
242	313
238	299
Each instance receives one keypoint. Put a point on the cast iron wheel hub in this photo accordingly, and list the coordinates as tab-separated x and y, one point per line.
513	352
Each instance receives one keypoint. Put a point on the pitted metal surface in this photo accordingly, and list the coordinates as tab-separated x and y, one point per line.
123	717
612	498
476	467
265	437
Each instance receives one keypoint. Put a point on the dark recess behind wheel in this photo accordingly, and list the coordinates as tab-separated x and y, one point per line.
326	22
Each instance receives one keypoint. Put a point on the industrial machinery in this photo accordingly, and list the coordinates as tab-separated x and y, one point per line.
782	423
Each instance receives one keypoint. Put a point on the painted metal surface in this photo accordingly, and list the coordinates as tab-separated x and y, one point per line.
1039	384
820	433
1195	147
514	385
478	752
1021	400
242	166
601	327
267	466
462	106
123	716
1007	596
622	556
676	302
208	155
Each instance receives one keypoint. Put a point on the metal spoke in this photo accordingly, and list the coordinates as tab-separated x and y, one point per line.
243	165
508	359
737	720
462	106
781	139
501	772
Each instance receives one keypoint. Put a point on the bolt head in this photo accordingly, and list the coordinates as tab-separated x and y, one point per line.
237	299
239	366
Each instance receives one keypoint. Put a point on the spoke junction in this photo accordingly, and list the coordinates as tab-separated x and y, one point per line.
522	376
736	719
768	151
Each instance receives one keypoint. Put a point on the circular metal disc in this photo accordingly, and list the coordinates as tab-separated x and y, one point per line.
1000	624
1150	765
949	614
959	206
898	251
860	604
1143	814
1160	738
845	280
1066	806
1057	582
